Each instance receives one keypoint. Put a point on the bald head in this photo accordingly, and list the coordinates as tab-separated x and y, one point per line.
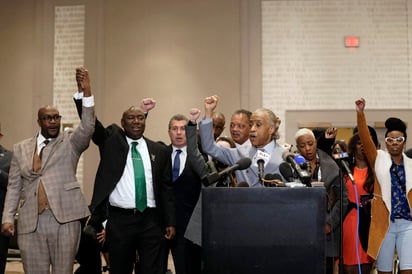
48	119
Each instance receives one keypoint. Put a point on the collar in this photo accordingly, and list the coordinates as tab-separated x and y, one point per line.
130	140
41	139
268	148
183	149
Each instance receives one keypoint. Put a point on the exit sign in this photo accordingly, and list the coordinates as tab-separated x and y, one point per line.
352	41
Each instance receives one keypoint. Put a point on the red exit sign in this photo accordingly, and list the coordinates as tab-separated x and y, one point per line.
352	41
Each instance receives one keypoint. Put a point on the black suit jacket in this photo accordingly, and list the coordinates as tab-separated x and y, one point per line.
113	149
186	189
5	160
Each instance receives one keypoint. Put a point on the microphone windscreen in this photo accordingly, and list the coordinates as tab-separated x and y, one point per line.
286	171
339	154
244	163
274	176
299	159
242	184
286	154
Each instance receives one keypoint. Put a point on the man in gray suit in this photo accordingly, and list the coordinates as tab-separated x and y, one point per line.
263	133
44	190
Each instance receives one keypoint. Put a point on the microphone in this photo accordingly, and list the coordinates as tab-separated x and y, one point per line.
213	177
303	174
286	171
242	184
341	157
273	180
261	168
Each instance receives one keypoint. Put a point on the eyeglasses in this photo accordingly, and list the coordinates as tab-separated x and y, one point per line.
49	118
399	140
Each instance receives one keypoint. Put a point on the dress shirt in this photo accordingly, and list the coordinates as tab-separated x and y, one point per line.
124	193
182	157
269	147
244	148
40	142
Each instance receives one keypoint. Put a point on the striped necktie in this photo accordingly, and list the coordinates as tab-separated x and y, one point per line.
45	142
176	165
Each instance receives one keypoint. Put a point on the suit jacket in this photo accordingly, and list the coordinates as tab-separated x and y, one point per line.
5	159
230	156
196	160
58	174
186	189
113	148
330	175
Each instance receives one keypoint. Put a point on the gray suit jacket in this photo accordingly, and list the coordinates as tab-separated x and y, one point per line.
230	156
58	174
194	157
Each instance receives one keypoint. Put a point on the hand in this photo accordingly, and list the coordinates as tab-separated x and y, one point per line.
87	91
210	105
194	115
360	105
330	133
83	81
7	229
170	232
79	78
147	104
101	237
328	229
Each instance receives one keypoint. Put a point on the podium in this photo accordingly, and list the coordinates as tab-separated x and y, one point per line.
263	230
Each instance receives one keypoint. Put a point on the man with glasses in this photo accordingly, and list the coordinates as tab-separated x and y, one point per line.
44	190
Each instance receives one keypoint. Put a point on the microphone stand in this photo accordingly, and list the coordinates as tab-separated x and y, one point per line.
342	182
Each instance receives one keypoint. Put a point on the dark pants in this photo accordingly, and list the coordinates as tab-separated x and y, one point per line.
4	244
186	255
88	255
330	264
129	232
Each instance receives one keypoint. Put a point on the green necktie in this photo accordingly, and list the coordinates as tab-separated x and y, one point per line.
139	179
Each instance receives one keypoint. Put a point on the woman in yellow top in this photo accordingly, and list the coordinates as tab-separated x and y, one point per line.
391	222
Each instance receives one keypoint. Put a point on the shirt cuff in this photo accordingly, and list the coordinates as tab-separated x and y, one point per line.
87	101
78	95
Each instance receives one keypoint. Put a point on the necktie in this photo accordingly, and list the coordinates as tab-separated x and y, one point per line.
45	142
176	165
139	179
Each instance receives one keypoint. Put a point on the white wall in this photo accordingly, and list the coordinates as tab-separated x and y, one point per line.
306	66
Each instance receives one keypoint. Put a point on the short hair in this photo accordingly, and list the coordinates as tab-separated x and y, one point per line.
177	117
227	140
219	115
304	131
243	111
273	119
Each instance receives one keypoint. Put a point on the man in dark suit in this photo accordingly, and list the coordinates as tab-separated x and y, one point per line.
186	186
5	159
138	220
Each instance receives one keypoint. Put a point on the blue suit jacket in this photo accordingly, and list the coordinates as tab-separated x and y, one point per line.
230	156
